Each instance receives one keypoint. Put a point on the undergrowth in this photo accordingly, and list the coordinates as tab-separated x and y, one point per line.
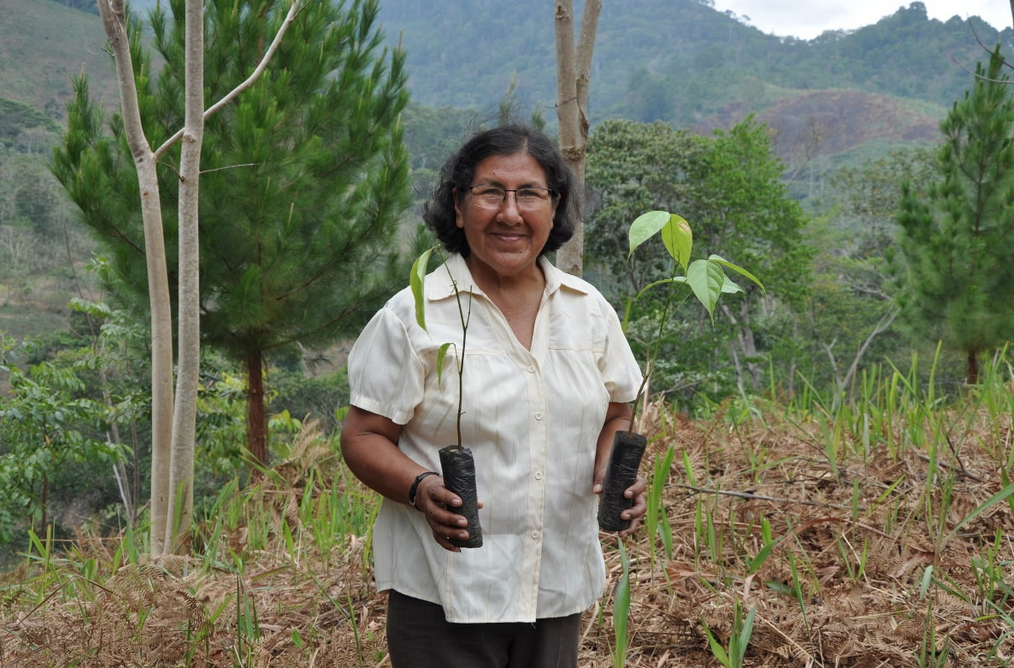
866	530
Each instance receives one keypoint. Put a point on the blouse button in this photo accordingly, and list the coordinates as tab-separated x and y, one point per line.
538	415
535	535
531	368
538	475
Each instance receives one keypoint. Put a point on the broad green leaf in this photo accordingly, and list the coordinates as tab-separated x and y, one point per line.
736	268
706	279
645	227
678	239
730	287
417	282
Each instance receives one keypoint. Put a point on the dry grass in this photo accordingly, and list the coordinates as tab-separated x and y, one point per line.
849	561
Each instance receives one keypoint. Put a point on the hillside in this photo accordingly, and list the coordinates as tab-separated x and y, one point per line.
43	45
675	60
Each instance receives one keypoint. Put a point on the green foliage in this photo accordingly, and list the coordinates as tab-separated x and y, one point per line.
955	263
17	121
641	73
303	176
45	422
739	638
730	187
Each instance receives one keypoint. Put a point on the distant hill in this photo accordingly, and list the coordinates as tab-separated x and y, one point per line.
43	45
676	60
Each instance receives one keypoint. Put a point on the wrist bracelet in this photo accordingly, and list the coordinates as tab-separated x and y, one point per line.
415	485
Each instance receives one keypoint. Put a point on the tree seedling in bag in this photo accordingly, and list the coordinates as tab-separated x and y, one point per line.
707	281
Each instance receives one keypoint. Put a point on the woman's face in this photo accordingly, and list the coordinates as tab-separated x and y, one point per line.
506	238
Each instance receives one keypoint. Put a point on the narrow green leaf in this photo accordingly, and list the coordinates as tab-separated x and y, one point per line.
744	636
621	610
985	505
760	558
716	647
417	282
645	227
441	357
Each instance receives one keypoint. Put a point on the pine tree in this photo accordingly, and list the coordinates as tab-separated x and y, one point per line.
303	178
957	274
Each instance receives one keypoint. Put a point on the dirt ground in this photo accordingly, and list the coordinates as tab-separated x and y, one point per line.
850	558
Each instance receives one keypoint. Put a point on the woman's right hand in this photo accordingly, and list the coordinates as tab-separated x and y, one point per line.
437	504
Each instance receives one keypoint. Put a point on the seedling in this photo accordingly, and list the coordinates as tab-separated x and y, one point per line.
707	281
456	461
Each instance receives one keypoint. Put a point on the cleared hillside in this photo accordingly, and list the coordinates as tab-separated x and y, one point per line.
43	45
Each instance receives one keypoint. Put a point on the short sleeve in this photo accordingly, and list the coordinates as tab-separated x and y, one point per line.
620	371
386	376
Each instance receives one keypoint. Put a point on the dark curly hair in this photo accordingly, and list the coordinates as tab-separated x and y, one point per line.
459	170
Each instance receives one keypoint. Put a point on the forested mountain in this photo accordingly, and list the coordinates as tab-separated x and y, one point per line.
676	60
680	61
837	99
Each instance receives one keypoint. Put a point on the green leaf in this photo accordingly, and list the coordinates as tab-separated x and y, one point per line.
645	227
621	610
716	647
706	279
736	268
730	287
678	239
674	279
417	282
441	357
744	636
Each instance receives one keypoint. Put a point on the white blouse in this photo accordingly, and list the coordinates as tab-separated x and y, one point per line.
532	421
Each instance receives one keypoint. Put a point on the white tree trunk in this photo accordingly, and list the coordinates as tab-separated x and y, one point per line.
114	22
173	430
181	481
573	76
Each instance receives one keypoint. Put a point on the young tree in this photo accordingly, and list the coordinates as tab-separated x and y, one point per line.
956	263
300	187
851	309
573	77
729	188
305	178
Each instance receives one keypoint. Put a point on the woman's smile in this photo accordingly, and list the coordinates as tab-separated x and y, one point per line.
505	239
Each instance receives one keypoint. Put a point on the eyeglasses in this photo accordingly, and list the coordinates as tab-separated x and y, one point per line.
531	198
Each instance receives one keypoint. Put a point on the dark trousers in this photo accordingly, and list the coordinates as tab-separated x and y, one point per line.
418	636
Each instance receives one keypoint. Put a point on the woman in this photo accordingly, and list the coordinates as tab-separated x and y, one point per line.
547	381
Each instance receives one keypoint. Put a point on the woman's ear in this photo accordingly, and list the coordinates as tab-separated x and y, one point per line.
458	217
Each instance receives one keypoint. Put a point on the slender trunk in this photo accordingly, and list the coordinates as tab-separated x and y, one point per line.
114	21
256	412
181	487
573	76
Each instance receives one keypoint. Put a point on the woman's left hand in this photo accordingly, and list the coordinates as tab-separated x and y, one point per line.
638	510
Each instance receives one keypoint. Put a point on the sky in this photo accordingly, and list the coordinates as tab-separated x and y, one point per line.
807	19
